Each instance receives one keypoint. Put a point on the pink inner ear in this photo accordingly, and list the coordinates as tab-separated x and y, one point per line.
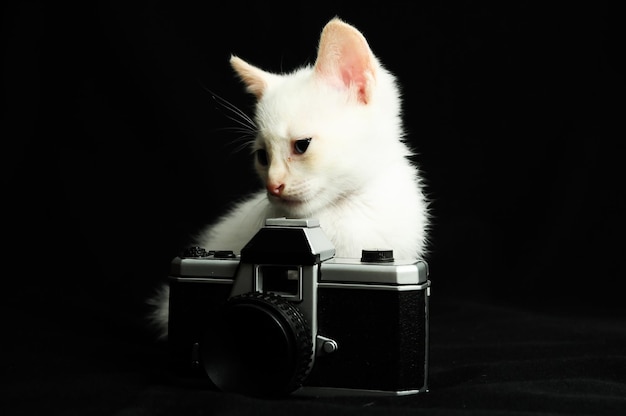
356	75
254	78
344	59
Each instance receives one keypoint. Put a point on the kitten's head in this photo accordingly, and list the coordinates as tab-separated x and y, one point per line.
324	130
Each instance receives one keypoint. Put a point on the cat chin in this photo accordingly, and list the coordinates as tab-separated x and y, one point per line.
292	208
285	204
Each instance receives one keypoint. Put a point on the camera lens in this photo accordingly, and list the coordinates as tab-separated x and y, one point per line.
261	346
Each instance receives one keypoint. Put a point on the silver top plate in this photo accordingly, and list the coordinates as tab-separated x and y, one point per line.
396	273
204	268
292	222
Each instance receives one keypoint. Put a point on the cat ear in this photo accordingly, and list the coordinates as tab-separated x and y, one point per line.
345	59
256	79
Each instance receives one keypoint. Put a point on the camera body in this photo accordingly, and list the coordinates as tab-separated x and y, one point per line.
287	316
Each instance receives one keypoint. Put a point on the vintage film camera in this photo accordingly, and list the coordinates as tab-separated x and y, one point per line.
286	316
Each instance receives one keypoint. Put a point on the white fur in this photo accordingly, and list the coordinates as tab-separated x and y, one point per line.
355	177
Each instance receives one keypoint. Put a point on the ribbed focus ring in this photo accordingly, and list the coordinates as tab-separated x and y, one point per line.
297	323
262	346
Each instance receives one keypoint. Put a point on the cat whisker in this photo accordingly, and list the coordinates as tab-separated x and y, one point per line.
244	125
246	145
240	117
244	133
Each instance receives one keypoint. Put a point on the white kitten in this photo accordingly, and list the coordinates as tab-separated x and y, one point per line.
328	146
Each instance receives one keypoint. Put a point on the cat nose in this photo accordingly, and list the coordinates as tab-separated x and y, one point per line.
275	189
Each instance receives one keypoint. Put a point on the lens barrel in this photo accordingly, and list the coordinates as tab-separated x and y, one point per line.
260	347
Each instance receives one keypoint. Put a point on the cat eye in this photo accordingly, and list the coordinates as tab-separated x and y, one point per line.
301	145
261	157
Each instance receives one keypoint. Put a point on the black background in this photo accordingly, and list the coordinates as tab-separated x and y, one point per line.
113	152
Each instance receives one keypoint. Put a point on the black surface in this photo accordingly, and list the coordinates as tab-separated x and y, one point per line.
114	153
485	359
